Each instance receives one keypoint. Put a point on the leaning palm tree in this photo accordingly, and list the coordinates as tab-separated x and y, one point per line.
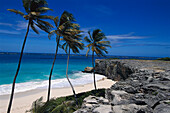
34	10
61	24
97	46
72	41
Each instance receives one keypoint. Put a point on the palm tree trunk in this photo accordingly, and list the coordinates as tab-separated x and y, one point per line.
49	87
13	85
94	70
68	78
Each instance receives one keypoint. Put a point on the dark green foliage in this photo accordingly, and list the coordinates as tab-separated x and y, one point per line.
164	59
63	104
98	46
96	42
112	58
34	10
154	93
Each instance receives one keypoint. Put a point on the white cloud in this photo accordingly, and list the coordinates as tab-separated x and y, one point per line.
6	24
9	32
85	30
125	36
21	25
14	28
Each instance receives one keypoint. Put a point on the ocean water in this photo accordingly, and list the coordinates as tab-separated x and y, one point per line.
35	69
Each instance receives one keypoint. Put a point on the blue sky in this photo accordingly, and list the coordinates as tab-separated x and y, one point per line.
134	27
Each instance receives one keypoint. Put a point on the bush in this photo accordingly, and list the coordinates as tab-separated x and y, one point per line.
63	104
164	59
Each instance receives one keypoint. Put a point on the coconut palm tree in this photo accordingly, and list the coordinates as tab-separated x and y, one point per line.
97	45
34	10
61	24
72	41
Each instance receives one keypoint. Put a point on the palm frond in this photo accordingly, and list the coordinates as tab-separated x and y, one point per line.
33	28
90	35
101	47
95	33
99	52
51	33
26	4
16	11
66	16
35	4
43	9
104	42
46	23
42	27
45	17
96	43
56	19
74	49
87	39
90	45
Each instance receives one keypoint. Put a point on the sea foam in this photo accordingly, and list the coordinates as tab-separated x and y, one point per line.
81	79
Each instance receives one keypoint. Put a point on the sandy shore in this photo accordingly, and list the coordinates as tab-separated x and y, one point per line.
22	101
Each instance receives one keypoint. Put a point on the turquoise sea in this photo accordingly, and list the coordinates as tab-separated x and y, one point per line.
35	69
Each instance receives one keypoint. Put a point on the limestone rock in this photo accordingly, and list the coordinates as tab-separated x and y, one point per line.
88	70
142	87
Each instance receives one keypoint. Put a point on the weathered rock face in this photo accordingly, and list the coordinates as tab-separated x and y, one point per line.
144	87
94	104
113	69
88	70
121	69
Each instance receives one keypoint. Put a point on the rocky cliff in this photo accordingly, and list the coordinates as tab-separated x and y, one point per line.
143	87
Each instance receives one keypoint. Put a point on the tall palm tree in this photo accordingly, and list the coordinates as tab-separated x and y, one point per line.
72	41
97	45
61	26
34	10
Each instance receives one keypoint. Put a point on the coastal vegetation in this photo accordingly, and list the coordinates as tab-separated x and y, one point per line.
68	37
34	10
96	45
62	29
63	104
164	59
72	41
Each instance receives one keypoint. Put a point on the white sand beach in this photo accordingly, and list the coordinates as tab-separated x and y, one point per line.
23	101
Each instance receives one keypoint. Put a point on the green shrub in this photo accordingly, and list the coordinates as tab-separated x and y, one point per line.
164	59
63	104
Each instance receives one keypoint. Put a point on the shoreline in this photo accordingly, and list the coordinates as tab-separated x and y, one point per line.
23	100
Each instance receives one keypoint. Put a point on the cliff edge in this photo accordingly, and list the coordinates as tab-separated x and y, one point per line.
143	87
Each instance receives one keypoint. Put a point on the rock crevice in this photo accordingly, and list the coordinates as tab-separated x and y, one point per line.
142	87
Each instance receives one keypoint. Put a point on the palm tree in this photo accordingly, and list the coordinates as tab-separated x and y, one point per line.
34	10
61	26
72	41
97	46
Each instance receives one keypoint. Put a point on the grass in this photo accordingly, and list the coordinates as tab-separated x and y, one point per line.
63	104
164	59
